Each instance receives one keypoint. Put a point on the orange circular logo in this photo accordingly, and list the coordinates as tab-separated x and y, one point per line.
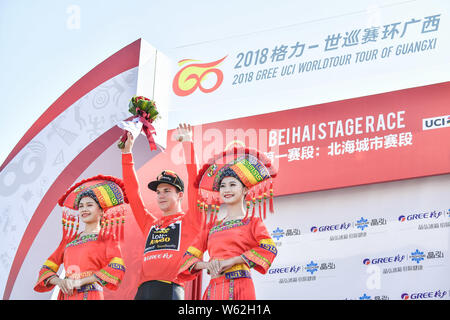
191	76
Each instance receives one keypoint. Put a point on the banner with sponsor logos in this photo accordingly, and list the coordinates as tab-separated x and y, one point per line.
387	241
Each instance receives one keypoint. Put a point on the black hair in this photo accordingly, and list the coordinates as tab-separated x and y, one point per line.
88	193
230	173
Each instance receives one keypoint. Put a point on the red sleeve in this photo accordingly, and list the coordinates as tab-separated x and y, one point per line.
50	268
193	255
112	273
194	217
142	216
264	252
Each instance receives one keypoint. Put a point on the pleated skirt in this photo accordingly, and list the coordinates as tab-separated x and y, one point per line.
230	289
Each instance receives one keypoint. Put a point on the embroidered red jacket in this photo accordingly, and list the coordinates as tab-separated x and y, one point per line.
82	257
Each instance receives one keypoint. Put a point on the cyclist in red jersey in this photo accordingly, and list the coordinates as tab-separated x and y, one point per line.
168	237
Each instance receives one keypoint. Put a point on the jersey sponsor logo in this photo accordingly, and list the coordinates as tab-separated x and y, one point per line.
164	239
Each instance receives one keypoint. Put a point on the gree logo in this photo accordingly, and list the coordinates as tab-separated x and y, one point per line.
194	75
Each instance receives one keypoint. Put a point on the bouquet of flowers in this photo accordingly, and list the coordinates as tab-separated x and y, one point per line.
144	110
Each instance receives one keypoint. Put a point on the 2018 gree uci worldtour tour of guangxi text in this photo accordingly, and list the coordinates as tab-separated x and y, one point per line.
241	159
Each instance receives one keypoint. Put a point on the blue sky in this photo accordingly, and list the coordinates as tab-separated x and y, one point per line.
42	54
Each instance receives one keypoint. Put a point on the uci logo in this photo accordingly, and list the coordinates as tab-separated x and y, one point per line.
203	76
436	123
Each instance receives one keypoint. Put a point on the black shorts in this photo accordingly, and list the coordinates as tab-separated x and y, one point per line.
158	290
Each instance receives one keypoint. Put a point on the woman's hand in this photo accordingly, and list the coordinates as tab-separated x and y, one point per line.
129	143
212	267
216	267
184	132
65	285
228	263
87	280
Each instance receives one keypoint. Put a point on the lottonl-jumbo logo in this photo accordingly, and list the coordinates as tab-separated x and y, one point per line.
196	75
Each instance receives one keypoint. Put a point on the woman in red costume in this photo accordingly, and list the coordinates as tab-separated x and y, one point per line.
240	241
92	259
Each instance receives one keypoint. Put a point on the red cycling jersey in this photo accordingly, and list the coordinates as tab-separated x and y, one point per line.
168	237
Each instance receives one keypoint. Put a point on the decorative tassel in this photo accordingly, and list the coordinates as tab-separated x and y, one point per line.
110	227
209	219
201	206
105	226
205	205
117	234
217	210
117	225
68	227
271	198
71	222
216	215
214	218
74	232
105	232
264	202
113	225
102	227
254	206
259	205
64	223
246	212
122	227
77	226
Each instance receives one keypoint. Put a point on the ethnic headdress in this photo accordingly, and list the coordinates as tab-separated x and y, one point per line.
108	192
253	168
